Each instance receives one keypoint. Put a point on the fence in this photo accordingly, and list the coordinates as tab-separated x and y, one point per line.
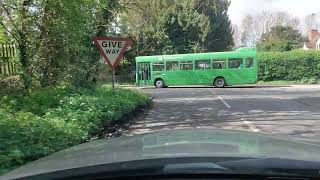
119	78
7	64
7	67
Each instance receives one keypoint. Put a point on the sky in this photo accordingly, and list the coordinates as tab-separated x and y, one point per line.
299	8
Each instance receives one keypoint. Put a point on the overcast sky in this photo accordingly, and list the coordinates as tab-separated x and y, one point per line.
299	8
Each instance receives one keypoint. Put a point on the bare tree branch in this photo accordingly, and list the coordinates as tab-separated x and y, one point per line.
254	26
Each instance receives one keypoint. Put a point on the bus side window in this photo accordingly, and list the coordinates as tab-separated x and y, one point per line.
172	65
186	65
158	66
202	64
218	64
249	62
235	63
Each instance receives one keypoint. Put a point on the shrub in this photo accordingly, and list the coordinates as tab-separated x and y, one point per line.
293	65
313	80
26	137
11	82
304	80
35	124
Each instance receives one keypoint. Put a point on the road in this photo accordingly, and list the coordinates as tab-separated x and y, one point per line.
292	111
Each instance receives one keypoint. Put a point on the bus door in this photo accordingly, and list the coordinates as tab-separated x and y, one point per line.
219	66
236	73
186	75
250	70
203	72
144	73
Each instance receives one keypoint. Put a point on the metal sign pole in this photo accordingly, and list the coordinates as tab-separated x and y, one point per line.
145	74
113	80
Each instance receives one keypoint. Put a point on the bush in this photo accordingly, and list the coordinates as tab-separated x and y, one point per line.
26	137
293	66
35	124
313	80
304	80
11	82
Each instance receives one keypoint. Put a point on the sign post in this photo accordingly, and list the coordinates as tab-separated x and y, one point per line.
113	80
112	50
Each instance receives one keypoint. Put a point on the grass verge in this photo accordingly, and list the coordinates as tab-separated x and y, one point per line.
38	123
282	82
278	82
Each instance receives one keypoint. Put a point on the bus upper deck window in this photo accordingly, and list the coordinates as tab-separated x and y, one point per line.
158	66
249	62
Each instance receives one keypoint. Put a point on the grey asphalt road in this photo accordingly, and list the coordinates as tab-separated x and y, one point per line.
292	111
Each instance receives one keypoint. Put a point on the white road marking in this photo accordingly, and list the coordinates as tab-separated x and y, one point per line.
221	99
251	126
224	102
212	91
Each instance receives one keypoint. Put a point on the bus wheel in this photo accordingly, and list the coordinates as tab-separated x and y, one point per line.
219	82
159	83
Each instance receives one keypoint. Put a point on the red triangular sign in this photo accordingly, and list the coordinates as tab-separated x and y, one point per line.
112	49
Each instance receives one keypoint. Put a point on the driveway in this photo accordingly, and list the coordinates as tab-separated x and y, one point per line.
288	110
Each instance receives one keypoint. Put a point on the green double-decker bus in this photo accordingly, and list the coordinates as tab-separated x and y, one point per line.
218	69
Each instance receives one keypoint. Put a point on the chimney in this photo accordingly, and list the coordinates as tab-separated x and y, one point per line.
312	35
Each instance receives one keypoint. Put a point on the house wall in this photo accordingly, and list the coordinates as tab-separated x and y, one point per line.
313	35
318	44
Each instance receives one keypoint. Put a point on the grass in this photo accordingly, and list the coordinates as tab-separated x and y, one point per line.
283	82
280	82
37	123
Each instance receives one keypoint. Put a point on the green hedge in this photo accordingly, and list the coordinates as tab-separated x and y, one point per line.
33	125
292	66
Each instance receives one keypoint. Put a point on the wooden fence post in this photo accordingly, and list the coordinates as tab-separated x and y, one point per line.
7	66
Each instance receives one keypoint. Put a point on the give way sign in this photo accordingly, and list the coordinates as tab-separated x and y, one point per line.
112	49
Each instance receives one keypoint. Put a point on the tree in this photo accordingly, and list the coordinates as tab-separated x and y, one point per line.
145	19
181	26
15	21
311	21
186	29
3	38
249	35
236	35
54	37
219	37
280	38
254	26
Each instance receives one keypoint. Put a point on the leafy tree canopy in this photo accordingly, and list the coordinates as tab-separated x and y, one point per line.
3	38
54	37
280	38
182	26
